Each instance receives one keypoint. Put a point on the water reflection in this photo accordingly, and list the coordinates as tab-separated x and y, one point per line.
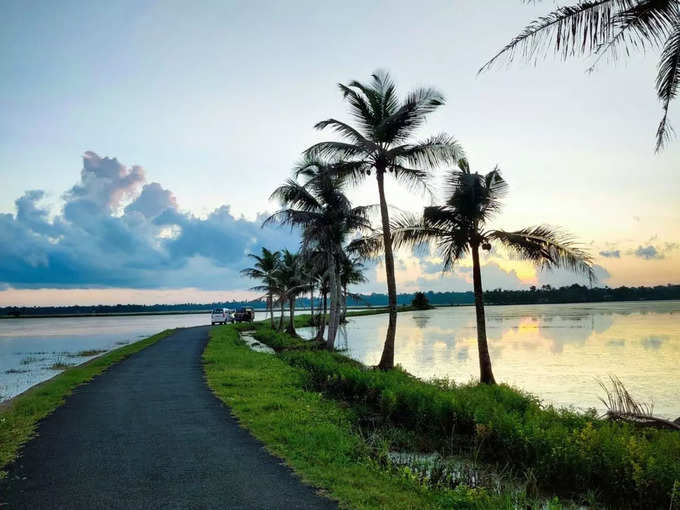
555	351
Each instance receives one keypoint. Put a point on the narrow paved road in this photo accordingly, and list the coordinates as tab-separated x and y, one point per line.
148	434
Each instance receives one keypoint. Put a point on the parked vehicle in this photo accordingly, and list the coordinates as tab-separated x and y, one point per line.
221	316
246	314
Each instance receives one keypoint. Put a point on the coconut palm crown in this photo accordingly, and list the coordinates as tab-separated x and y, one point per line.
605	29
326	216
265	269
460	227
380	142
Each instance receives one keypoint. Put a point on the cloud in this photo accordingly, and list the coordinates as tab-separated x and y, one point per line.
115	230
562	277
152	201
648	253
616	254
653	342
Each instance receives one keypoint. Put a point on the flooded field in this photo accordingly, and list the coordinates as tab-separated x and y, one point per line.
33	350
557	352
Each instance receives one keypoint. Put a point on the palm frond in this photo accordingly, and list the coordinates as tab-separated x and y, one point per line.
547	248
667	83
346	131
453	249
645	23
401	124
415	180
295	195
359	108
572	30
334	150
368	247
475	197
291	217
430	153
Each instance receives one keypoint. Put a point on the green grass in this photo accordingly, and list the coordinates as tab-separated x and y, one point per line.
20	416
319	437
570	453
565	451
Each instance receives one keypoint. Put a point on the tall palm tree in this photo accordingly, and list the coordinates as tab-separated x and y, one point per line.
381	143
326	216
604	28
265	268
290	284
459	227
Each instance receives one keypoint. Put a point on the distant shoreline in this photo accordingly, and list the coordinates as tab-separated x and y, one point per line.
298	309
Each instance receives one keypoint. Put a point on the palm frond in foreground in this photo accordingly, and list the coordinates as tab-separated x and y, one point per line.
607	29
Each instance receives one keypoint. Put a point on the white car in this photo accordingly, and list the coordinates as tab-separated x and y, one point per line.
221	316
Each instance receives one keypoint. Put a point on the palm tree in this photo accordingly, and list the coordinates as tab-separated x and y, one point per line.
264	269
603	28
459	227
290	284
351	273
381	143
326	216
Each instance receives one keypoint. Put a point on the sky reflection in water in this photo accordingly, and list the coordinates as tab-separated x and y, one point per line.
555	351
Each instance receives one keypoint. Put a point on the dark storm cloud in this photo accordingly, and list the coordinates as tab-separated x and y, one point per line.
116	231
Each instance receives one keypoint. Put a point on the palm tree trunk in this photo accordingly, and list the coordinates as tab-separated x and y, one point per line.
387	358
322	319
291	322
270	305
333	320
311	303
485	372
283	304
344	303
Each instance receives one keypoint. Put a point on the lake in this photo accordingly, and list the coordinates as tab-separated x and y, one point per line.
554	351
30	348
557	352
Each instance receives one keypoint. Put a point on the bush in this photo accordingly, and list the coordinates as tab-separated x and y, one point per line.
567	451
420	301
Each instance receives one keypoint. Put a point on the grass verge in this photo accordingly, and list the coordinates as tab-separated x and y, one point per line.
319	437
570	453
19	417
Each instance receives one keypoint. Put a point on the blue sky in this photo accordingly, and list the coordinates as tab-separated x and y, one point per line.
214	101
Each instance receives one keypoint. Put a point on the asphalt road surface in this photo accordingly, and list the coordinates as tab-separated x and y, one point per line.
146	434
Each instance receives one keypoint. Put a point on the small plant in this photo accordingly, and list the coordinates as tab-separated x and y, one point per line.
31	359
59	365
621	405
60	362
86	353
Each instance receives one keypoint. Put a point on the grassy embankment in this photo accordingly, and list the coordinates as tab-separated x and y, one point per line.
320	437
553	451
19	417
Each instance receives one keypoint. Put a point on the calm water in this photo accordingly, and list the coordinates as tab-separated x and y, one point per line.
554	351
29	348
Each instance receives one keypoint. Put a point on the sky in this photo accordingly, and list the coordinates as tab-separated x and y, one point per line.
140	141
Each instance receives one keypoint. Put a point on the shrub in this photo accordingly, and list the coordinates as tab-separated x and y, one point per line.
420	301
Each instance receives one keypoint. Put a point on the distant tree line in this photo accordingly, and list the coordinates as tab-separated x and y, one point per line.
532	295
580	294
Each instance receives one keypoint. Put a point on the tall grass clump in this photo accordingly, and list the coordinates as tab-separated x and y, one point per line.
566	451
